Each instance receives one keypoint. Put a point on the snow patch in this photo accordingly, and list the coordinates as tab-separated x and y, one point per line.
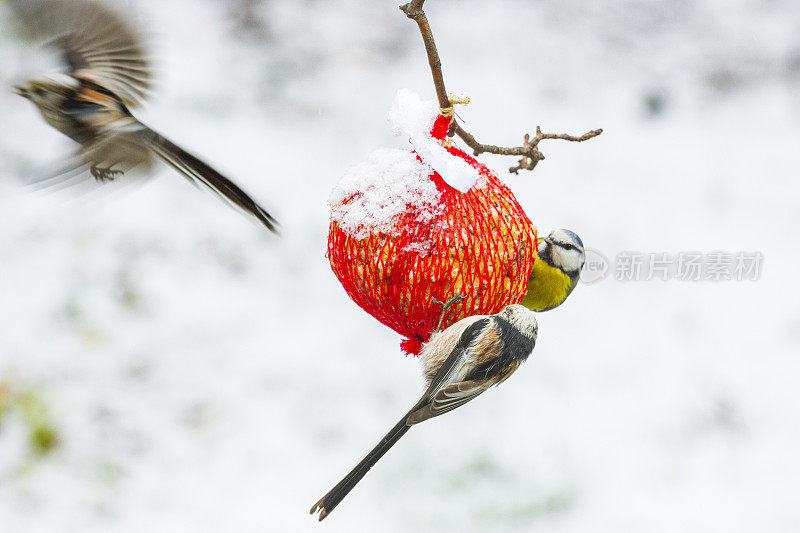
410	116
371	194
413	117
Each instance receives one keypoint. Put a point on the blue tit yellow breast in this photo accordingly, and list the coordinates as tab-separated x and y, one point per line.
547	287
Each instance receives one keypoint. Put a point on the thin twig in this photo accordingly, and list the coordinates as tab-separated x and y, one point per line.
529	151
413	10
445	308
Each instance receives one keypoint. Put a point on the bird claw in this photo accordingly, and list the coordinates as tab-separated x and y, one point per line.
104	174
446	307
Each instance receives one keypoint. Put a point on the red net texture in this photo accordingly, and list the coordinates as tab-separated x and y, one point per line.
480	244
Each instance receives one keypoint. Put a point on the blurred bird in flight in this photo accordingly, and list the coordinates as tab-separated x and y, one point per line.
108	74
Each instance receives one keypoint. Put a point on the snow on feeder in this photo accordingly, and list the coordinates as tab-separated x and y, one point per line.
429	222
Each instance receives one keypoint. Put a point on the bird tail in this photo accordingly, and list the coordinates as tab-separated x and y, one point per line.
199	172
328	502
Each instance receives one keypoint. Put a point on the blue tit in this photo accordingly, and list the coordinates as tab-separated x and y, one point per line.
555	272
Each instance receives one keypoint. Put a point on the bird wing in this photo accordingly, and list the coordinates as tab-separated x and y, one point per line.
98	43
446	391
448	398
456	360
124	147
122	151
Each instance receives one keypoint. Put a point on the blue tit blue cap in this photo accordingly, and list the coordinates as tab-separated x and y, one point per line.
565	234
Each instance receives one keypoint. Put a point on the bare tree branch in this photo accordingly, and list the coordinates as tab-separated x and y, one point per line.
529	151
413	10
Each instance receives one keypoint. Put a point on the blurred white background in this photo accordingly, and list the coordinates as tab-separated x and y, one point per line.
203	375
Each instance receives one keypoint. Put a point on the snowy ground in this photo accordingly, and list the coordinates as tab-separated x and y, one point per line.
204	375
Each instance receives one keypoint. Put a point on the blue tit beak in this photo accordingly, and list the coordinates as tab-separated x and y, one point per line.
20	90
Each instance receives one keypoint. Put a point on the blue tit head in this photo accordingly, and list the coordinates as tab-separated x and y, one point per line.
555	272
563	249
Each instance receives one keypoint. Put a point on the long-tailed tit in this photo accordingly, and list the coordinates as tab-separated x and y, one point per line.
459	363
108	74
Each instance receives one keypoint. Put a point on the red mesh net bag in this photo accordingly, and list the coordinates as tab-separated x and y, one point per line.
479	244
